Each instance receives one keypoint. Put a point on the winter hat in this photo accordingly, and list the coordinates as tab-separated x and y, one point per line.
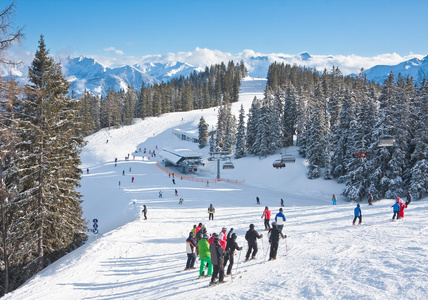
224	228
200	224
266	207
191	234
280	209
216	237
397	199
358	205
251	226
274	224
234	236
205	236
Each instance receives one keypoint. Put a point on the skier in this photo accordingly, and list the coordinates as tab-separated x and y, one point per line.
223	234
132	179
87	171
145	212
280	219
194	231
282	202
357	214
334	199
190	250
396	208
173	181
176	192
258	200
181	201
402	207
251	236
266	214
123	173
370	197
211	211
231	246
408	198
217	260
160	194
274	235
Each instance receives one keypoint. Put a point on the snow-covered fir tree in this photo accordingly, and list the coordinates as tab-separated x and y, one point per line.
240	134
203	132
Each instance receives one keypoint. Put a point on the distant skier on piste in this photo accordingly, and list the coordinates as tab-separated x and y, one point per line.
251	236
408	198
357	214
231	246
145	212
217	260
274	234
396	208
211	211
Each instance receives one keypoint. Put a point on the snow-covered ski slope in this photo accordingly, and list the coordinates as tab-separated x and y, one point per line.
132	258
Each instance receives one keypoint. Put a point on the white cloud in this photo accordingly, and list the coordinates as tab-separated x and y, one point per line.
117	51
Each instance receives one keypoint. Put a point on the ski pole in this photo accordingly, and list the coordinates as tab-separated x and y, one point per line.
237	265
286	248
267	250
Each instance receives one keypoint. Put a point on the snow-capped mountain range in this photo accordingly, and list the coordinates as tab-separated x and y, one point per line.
94	75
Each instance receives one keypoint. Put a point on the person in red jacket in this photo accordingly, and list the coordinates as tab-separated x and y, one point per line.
266	215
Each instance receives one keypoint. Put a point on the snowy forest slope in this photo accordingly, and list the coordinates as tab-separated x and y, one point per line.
133	258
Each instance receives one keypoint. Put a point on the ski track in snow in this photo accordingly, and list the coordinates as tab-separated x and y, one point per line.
132	258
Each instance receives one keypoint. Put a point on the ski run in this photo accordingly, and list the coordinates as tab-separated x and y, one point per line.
133	258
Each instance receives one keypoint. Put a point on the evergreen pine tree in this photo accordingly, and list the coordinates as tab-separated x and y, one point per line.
203	132
240	135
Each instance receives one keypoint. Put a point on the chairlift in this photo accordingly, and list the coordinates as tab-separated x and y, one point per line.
360	153
278	164
386	141
288	159
228	164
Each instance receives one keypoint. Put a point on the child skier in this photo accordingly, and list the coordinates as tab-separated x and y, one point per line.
357	214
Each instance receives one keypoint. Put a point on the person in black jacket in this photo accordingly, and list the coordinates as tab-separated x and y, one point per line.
231	246
217	260
251	236
274	234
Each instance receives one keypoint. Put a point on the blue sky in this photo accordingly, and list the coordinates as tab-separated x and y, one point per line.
148	27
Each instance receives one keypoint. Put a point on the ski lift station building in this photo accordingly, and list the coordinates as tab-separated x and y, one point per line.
191	136
185	160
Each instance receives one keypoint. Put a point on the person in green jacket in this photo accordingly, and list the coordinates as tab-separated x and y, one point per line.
204	254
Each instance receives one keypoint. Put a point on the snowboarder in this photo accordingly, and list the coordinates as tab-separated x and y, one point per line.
231	246
145	212
251	236
266	214
181	201
258	200
334	199
408	199
357	214
211	211
370	198
282	202
274	234
217	260
190	250
280	219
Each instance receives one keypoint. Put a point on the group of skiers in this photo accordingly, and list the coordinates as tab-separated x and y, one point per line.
218	250
398	208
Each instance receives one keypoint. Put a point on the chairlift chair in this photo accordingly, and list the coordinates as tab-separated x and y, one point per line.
386	141
228	165
278	164
287	159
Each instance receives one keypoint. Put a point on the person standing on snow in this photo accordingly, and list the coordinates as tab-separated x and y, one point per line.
370	198
205	255
231	246
190	250
223	235
280	219
396	208
266	214
160	194
408	198
274	235
145	212
211	211
258	200
357	214
282	202
334	199
251	236
217	260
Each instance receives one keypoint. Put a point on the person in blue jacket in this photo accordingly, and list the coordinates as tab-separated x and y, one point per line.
280	219
396	208
357	214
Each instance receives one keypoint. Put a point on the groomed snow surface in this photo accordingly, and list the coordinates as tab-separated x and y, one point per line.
133	258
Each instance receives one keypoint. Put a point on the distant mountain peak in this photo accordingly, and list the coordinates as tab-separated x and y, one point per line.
305	56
